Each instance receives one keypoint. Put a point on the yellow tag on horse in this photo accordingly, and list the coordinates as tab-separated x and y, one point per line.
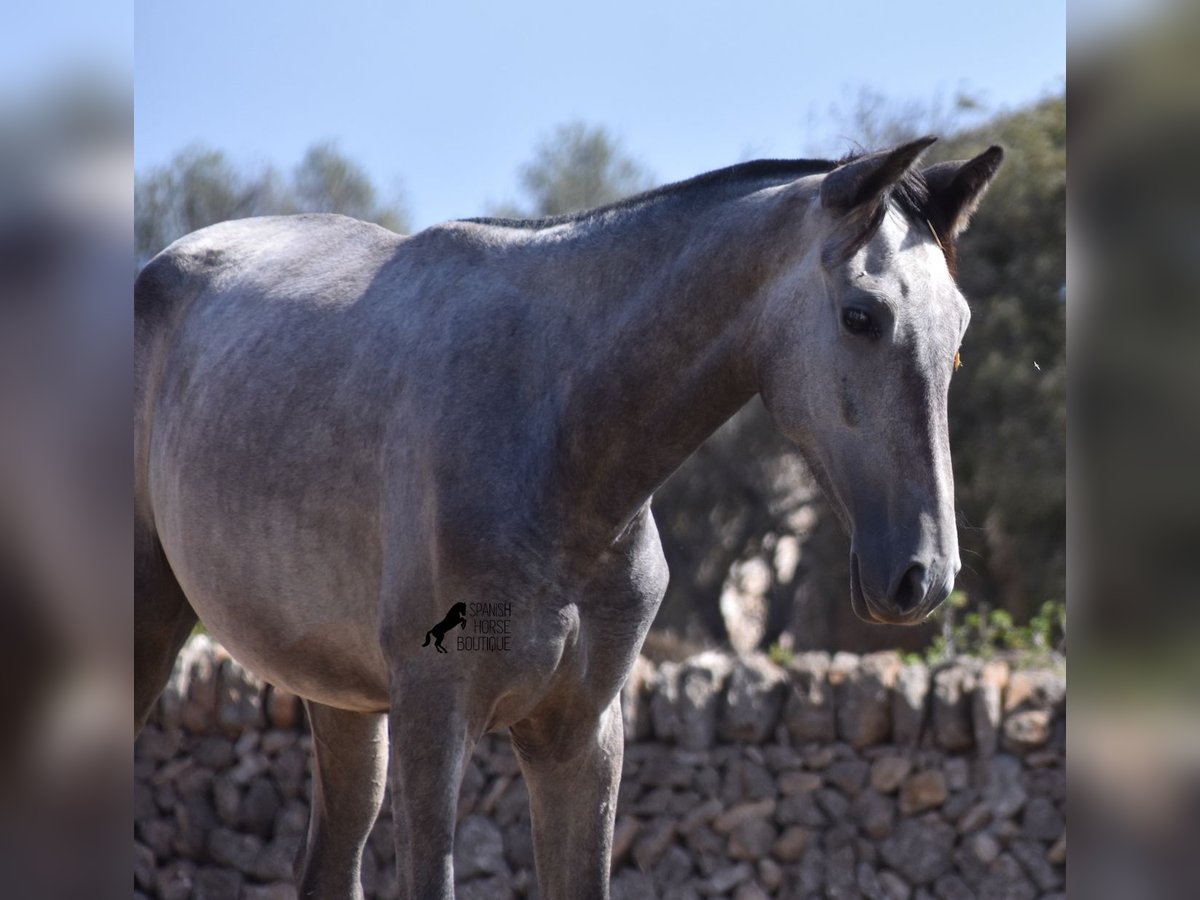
957	361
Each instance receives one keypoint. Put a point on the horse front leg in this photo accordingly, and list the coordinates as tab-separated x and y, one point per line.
573	800
430	747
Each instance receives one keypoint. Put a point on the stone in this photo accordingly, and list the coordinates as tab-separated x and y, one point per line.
216	884
789	847
798	782
874	812
652	841
143	866
866	879
909	704
673	867
951	887
922	791
919	849
700	816
478	849
259	807
239	698
809	711
984	847
957	772
953	687
233	849
1057	854
743	812
840	875
214	753
848	776
664	713
280	890
630	884
975	817
494	887
751	840
833	803
889	772
707	849
894	887
748	890
292	818
987	705
1041	820
808	878
1033	860
158	745
518	844
227	799
624	832
1026	730
800	809
1006	881
864	699
725	879
159	835
1036	689
701	682
283	709
635	701
194	819
770	875
278	857
175	880
754	699
1004	790
747	780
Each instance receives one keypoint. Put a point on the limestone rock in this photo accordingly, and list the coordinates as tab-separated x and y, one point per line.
909	704
864	699
809	711
753	700
922	791
953	691
919	849
478	849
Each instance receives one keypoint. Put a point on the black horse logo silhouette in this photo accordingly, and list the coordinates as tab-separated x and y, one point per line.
456	616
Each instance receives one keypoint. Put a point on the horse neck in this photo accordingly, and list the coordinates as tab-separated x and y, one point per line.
668	305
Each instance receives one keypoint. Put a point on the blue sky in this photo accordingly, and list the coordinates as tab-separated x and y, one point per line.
445	100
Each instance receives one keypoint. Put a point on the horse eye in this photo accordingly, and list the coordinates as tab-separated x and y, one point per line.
859	321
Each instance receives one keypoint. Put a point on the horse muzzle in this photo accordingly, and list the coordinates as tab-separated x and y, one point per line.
915	591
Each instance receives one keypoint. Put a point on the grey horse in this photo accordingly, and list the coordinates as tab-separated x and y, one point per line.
341	433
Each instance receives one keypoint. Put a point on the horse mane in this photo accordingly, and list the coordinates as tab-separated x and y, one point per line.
910	195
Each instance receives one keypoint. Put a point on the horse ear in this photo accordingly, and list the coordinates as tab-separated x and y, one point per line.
955	189
865	180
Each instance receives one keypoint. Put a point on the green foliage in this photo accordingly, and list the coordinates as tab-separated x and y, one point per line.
201	187
576	167
780	655
985	632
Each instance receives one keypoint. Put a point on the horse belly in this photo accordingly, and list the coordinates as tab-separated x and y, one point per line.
283	571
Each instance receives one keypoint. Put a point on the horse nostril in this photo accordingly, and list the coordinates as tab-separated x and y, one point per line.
911	589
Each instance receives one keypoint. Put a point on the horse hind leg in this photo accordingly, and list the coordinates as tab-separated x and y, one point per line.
349	776
162	621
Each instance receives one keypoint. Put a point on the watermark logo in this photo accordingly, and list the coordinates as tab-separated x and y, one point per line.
488	628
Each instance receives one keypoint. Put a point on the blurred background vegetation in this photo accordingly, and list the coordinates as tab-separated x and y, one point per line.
757	558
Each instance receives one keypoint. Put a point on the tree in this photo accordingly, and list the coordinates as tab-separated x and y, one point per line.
578	166
200	187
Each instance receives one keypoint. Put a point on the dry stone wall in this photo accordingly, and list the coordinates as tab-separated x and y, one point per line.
835	777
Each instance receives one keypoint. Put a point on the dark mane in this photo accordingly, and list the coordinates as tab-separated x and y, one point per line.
910	195
758	170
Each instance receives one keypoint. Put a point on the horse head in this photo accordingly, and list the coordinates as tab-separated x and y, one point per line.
856	349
